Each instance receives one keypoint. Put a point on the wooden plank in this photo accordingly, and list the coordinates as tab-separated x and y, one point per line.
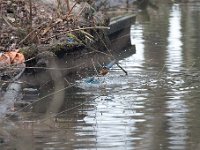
120	23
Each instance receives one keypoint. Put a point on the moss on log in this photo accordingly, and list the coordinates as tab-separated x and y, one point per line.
69	44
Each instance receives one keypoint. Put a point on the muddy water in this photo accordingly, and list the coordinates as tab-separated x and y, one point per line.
155	107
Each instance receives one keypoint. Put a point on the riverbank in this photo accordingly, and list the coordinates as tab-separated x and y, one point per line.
41	30
58	48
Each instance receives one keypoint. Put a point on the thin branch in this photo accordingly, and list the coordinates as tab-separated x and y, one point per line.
68	5
103	43
64	111
47	68
28	35
31	13
122	69
70	10
159	74
81	11
94	67
8	23
78	29
38	100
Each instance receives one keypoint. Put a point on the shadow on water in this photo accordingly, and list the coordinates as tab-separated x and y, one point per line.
155	107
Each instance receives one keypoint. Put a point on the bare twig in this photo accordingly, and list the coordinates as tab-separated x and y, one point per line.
81	11
74	30
122	68
67	110
96	51
51	25
103	42
16	67
68	5
67	81
86	33
159	74
8	23
40	99
31	13
94	67
18	82
70	10
58	8
30	33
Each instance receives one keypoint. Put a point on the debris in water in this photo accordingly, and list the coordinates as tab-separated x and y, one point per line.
92	80
12	63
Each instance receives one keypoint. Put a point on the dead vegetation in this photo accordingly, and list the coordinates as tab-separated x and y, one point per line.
48	28
43	22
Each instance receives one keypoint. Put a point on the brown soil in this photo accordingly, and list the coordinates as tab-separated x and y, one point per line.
42	22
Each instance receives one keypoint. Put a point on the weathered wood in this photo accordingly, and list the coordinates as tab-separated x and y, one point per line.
121	22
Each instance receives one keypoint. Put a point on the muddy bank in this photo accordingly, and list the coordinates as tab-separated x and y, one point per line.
63	50
77	65
58	27
44	31
34	87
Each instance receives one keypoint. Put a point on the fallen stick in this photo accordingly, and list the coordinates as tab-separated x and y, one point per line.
122	69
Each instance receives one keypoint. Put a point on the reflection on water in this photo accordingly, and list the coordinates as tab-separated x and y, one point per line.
174	40
155	107
137	39
177	109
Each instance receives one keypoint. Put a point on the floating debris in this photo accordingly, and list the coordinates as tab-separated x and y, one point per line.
12	64
92	80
